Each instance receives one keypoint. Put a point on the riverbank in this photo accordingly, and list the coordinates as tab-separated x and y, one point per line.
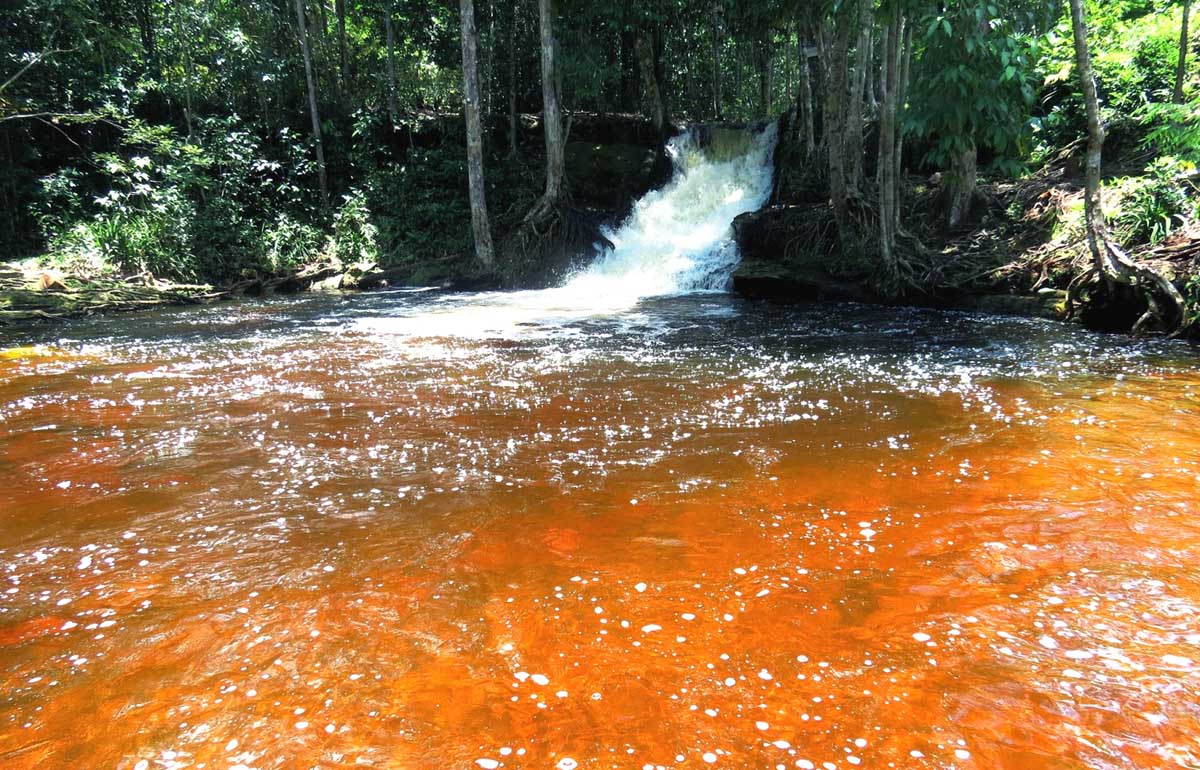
1022	250
1018	253
33	292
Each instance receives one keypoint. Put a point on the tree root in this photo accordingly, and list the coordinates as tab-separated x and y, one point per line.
553	233
1119	268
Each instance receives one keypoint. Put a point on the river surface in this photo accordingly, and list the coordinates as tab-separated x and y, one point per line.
698	532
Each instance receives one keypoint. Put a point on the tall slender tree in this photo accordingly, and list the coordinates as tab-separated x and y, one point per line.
1184	45
389	32
552	122
471	108
313	110
889	107
343	58
513	124
1110	263
717	43
651	93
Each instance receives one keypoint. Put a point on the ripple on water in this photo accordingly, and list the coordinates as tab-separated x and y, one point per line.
703	531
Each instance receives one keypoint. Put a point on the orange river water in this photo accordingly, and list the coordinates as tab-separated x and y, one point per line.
319	533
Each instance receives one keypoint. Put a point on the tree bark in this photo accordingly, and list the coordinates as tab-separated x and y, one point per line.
513	126
763	54
340	9
960	185
836	92
390	33
854	110
1184	44
889	183
145	22
471	108
1109	261
188	67
716	59
630	72
901	102
556	190
314	112
737	73
806	116
650	91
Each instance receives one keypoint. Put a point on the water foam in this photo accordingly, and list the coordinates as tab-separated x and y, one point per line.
680	238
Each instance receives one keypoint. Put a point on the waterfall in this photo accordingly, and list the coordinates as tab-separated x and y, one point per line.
680	238
677	240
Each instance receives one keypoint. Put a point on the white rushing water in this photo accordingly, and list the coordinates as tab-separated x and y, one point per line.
678	239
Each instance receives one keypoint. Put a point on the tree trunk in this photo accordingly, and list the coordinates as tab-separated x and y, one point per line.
764	56
960	185
513	126
471	107
650	92
901	101
806	116
145	22
314	113
836	92
390	33
1093	213
629	72
889	183
660	70
1184	44
1109	261
854	110
340	7
869	85
556	190
188	67
737	74
716	58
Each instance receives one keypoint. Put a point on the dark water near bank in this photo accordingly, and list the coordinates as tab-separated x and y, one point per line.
331	533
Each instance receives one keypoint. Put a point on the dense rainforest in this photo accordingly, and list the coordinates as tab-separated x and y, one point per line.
927	149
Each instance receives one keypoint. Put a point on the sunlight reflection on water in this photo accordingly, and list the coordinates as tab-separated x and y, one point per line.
700	531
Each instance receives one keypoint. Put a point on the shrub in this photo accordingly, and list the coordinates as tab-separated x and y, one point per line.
288	244
1153	206
355	237
1154	64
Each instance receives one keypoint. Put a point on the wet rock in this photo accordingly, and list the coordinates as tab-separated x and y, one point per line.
1046	304
785	256
332	283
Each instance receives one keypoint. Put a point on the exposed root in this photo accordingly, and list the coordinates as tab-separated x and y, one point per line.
1075	292
28	297
553	233
1155	287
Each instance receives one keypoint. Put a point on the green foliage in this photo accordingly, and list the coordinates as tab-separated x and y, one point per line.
1153	206
355	237
1173	129
181	209
422	205
975	80
1154	63
1191	297
1135	49
289	244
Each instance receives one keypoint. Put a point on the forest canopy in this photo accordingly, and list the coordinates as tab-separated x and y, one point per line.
218	141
